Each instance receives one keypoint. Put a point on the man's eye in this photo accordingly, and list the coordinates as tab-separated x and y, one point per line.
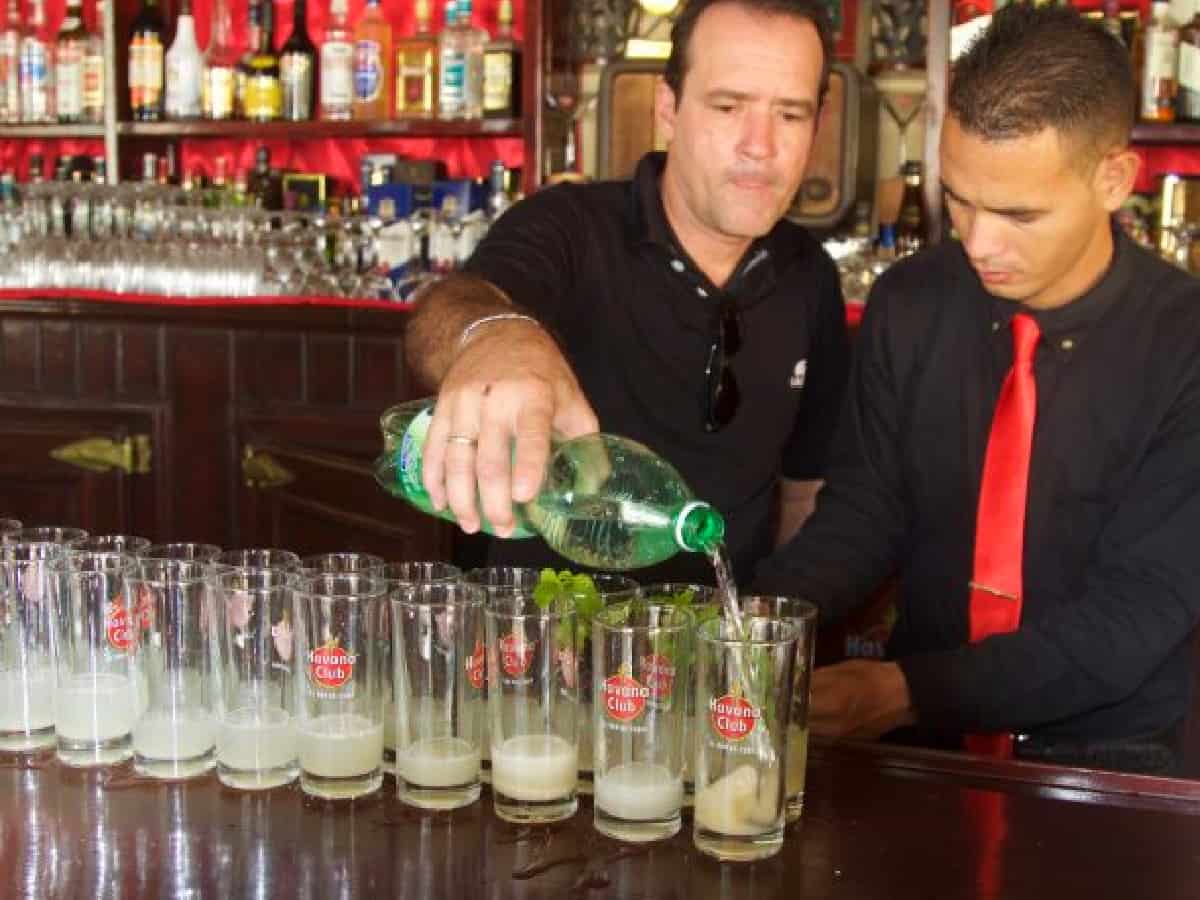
724	107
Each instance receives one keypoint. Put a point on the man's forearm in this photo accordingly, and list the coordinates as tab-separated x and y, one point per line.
441	314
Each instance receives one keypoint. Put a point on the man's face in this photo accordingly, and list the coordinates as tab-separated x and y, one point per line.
741	132
1033	223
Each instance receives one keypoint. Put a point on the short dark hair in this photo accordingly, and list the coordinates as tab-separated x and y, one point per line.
1046	67
812	11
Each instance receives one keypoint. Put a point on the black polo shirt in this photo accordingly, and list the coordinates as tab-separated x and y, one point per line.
1111	561
599	265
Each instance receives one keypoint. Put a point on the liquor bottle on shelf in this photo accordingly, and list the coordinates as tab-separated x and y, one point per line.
460	95
502	69
298	67
36	79
912	222
68	64
185	67
417	69
37	169
265	188
10	65
216	195
337	66
372	64
149	167
499	198
93	69
262	100
218	85
1160	65
1187	106
146	63
99	170
254	23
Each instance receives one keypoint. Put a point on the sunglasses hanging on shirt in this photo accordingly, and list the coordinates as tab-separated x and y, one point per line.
721	394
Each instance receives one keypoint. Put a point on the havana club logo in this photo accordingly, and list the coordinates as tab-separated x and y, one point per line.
330	666
474	666
733	717
658	672
516	654
117	625
624	697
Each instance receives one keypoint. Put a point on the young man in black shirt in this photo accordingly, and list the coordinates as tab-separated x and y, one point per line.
1094	664
679	309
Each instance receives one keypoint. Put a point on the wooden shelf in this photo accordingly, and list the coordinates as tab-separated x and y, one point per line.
1166	133
9	132
296	131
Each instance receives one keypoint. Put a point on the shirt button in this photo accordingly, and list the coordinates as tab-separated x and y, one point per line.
677	265
702	292
1067	344
995	326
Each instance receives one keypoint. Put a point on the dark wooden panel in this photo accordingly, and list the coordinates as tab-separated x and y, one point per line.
59	358
18	354
276	364
141	362
97	359
379	376
39	489
194	459
331	501
327	369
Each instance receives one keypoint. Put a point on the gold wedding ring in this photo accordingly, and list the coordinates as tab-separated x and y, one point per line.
462	439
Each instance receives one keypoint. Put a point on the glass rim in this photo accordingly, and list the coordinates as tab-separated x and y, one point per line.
371	587
496	607
475	595
373	562
169	552
69	563
286	579
290	559
807	611
474	576
791	633
26	535
9	549
686	616
158	571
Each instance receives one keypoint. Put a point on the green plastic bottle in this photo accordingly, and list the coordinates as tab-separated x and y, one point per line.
606	502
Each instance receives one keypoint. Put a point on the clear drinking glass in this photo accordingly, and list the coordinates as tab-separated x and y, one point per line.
610	588
339	705
113	543
804	616
26	647
100	689
704	604
175	736
260	558
533	703
47	534
399	575
256	733
639	685
183	550
743	699
342	563
437	643
499	581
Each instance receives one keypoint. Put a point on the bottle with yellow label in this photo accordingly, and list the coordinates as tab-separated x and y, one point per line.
262	100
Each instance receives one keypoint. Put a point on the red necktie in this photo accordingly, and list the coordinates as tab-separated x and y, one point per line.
1000	524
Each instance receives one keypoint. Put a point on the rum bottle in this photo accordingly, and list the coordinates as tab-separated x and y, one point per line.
146	63
218	88
417	69
298	67
1159	68
502	69
337	67
372	64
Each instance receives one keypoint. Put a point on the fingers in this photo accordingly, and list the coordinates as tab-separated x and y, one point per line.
493	466
460	456
532	450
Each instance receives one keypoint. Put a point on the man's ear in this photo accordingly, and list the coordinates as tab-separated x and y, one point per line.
1114	178
664	110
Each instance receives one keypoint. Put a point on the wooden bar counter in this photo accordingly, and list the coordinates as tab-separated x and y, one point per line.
879	822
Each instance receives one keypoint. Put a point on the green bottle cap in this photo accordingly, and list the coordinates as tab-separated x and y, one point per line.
699	528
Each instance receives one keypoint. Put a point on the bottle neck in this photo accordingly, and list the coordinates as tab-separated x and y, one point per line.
699	528
266	34
300	21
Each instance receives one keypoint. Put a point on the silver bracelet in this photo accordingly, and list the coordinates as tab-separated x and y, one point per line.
498	317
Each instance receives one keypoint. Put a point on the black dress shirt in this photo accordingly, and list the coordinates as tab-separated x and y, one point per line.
599	265
1112	529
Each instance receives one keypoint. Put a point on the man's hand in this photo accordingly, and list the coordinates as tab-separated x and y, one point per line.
509	385
859	699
